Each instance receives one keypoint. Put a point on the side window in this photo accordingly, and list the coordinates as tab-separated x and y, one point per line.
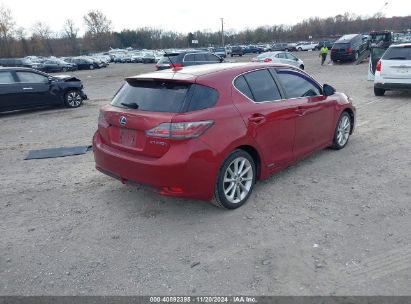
281	55
262	86
6	78
297	85
202	98
243	87
290	56
189	57
28	77
200	57
212	58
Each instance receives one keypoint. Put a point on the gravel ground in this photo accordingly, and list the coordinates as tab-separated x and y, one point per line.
337	223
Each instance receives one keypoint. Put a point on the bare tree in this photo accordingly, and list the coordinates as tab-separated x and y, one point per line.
97	23
70	32
6	30
70	29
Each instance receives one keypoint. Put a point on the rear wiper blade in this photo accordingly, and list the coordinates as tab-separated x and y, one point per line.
131	105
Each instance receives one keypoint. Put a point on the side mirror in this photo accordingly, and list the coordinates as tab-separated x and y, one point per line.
328	90
51	79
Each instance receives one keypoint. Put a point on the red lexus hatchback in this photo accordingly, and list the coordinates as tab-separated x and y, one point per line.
209	132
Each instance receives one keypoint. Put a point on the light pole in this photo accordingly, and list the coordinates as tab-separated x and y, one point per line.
222	32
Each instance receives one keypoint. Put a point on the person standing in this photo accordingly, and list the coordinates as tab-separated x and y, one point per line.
323	53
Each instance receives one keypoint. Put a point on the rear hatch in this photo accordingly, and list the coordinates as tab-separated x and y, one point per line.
340	48
139	106
396	63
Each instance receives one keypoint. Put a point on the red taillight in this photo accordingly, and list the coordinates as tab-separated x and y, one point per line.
102	122
180	129
267	60
176	65
349	50
378	68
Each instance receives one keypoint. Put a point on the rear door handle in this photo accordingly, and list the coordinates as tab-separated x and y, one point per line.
257	119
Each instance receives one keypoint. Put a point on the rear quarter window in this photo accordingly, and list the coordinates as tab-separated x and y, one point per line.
202	98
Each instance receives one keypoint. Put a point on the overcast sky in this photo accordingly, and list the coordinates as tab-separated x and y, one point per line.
191	15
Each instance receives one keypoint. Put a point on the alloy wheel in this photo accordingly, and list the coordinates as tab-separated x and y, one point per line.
74	99
238	180
343	130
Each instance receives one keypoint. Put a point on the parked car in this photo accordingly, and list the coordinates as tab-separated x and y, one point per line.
280	57
148	57
237	51
58	65
220	52
186	58
328	43
279	47
82	63
210	132
23	88
252	49
348	48
393	71
306	46
291	46
21	62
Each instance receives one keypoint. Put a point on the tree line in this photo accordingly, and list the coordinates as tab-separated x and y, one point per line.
99	35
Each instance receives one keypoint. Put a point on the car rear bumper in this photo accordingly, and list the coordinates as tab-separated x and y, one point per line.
186	170
393	86
342	56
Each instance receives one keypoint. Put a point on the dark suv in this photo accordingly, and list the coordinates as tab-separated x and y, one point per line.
348	48
237	51
186	58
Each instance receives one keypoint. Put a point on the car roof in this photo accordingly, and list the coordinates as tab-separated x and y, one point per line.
190	73
19	69
401	45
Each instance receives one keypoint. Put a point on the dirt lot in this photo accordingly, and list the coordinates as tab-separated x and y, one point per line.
338	223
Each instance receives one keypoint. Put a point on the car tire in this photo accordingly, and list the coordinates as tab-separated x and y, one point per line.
73	99
235	180
342	131
357	54
302	67
300	49
64	69
379	92
91	67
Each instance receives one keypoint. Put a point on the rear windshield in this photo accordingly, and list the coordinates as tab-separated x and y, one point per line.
398	53
163	96
341	45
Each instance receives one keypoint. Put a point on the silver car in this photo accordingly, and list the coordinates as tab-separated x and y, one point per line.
280	57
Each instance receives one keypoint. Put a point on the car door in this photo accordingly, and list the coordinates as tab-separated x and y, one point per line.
9	92
270	119
291	59
35	88
281	58
315	112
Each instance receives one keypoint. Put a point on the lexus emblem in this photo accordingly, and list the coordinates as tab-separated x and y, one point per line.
122	120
